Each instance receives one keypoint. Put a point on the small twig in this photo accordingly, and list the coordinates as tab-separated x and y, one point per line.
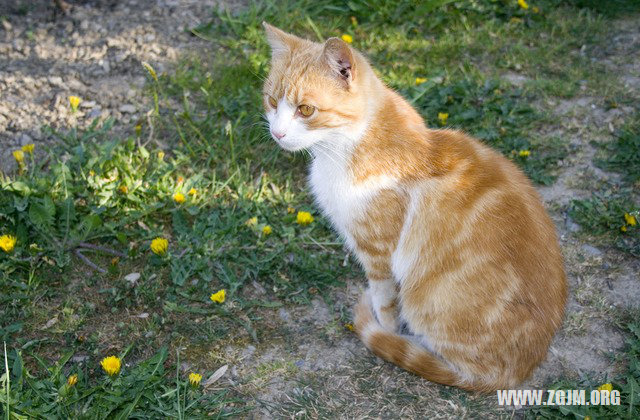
90	263
102	249
181	254
29	258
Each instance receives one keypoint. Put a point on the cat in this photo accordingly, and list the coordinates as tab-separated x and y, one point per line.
466	282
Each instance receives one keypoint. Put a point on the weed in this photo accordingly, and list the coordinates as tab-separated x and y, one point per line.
612	215
623	154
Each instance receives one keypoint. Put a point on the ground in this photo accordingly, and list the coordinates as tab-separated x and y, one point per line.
287	343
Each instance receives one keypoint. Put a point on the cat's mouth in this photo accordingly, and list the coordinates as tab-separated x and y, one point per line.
290	146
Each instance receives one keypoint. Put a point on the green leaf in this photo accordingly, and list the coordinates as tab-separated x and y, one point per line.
41	212
19	186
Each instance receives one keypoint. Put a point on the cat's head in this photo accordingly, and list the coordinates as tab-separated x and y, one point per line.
314	92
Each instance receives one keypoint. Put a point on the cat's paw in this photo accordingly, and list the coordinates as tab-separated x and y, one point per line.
387	316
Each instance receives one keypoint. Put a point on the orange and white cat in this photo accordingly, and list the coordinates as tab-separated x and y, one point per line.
466	280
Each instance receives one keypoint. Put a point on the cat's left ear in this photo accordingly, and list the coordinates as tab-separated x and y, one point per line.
341	60
280	41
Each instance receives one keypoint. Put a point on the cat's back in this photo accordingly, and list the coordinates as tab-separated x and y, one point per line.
476	212
488	194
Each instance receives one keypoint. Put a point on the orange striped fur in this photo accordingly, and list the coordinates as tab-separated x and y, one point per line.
466	279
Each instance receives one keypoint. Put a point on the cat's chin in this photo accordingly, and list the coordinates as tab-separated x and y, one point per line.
291	147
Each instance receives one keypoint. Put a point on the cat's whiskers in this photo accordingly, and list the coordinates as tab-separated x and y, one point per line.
332	153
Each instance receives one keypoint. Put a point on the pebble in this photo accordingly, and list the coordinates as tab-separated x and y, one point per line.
572	226
127	109
25	139
132	277
94	113
248	352
283	314
591	251
56	81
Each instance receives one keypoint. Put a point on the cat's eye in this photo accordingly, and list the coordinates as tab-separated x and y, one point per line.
272	101
306	110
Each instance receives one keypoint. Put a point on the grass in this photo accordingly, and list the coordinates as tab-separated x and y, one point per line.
82	283
613	212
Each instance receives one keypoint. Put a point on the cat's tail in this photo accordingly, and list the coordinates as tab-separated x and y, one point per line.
404	352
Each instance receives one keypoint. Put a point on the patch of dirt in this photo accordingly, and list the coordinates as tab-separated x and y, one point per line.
94	52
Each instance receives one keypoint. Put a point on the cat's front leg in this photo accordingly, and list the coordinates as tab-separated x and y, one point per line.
382	291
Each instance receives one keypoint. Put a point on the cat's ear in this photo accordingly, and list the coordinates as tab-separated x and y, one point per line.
280	41
341	60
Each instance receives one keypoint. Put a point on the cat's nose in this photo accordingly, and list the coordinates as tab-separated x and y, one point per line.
277	134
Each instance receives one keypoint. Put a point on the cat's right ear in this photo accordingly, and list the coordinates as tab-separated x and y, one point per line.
341	60
281	42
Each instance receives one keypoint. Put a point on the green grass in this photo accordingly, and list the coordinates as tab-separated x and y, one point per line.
106	197
612	213
145	390
623	154
603	216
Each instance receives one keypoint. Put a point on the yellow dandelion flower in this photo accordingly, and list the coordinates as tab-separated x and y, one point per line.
28	148
524	153
252	221
18	155
8	242
74	101
304	218
138	129
160	155
151	71
192	191
111	365
630	219
420	80
442	117
290	210
523	4
72	380
123	189
347	38
267	230
194	379
219	296
623	228
349	326
159	246
179	198
605	387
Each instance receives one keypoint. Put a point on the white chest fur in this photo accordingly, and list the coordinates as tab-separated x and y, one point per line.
339	198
